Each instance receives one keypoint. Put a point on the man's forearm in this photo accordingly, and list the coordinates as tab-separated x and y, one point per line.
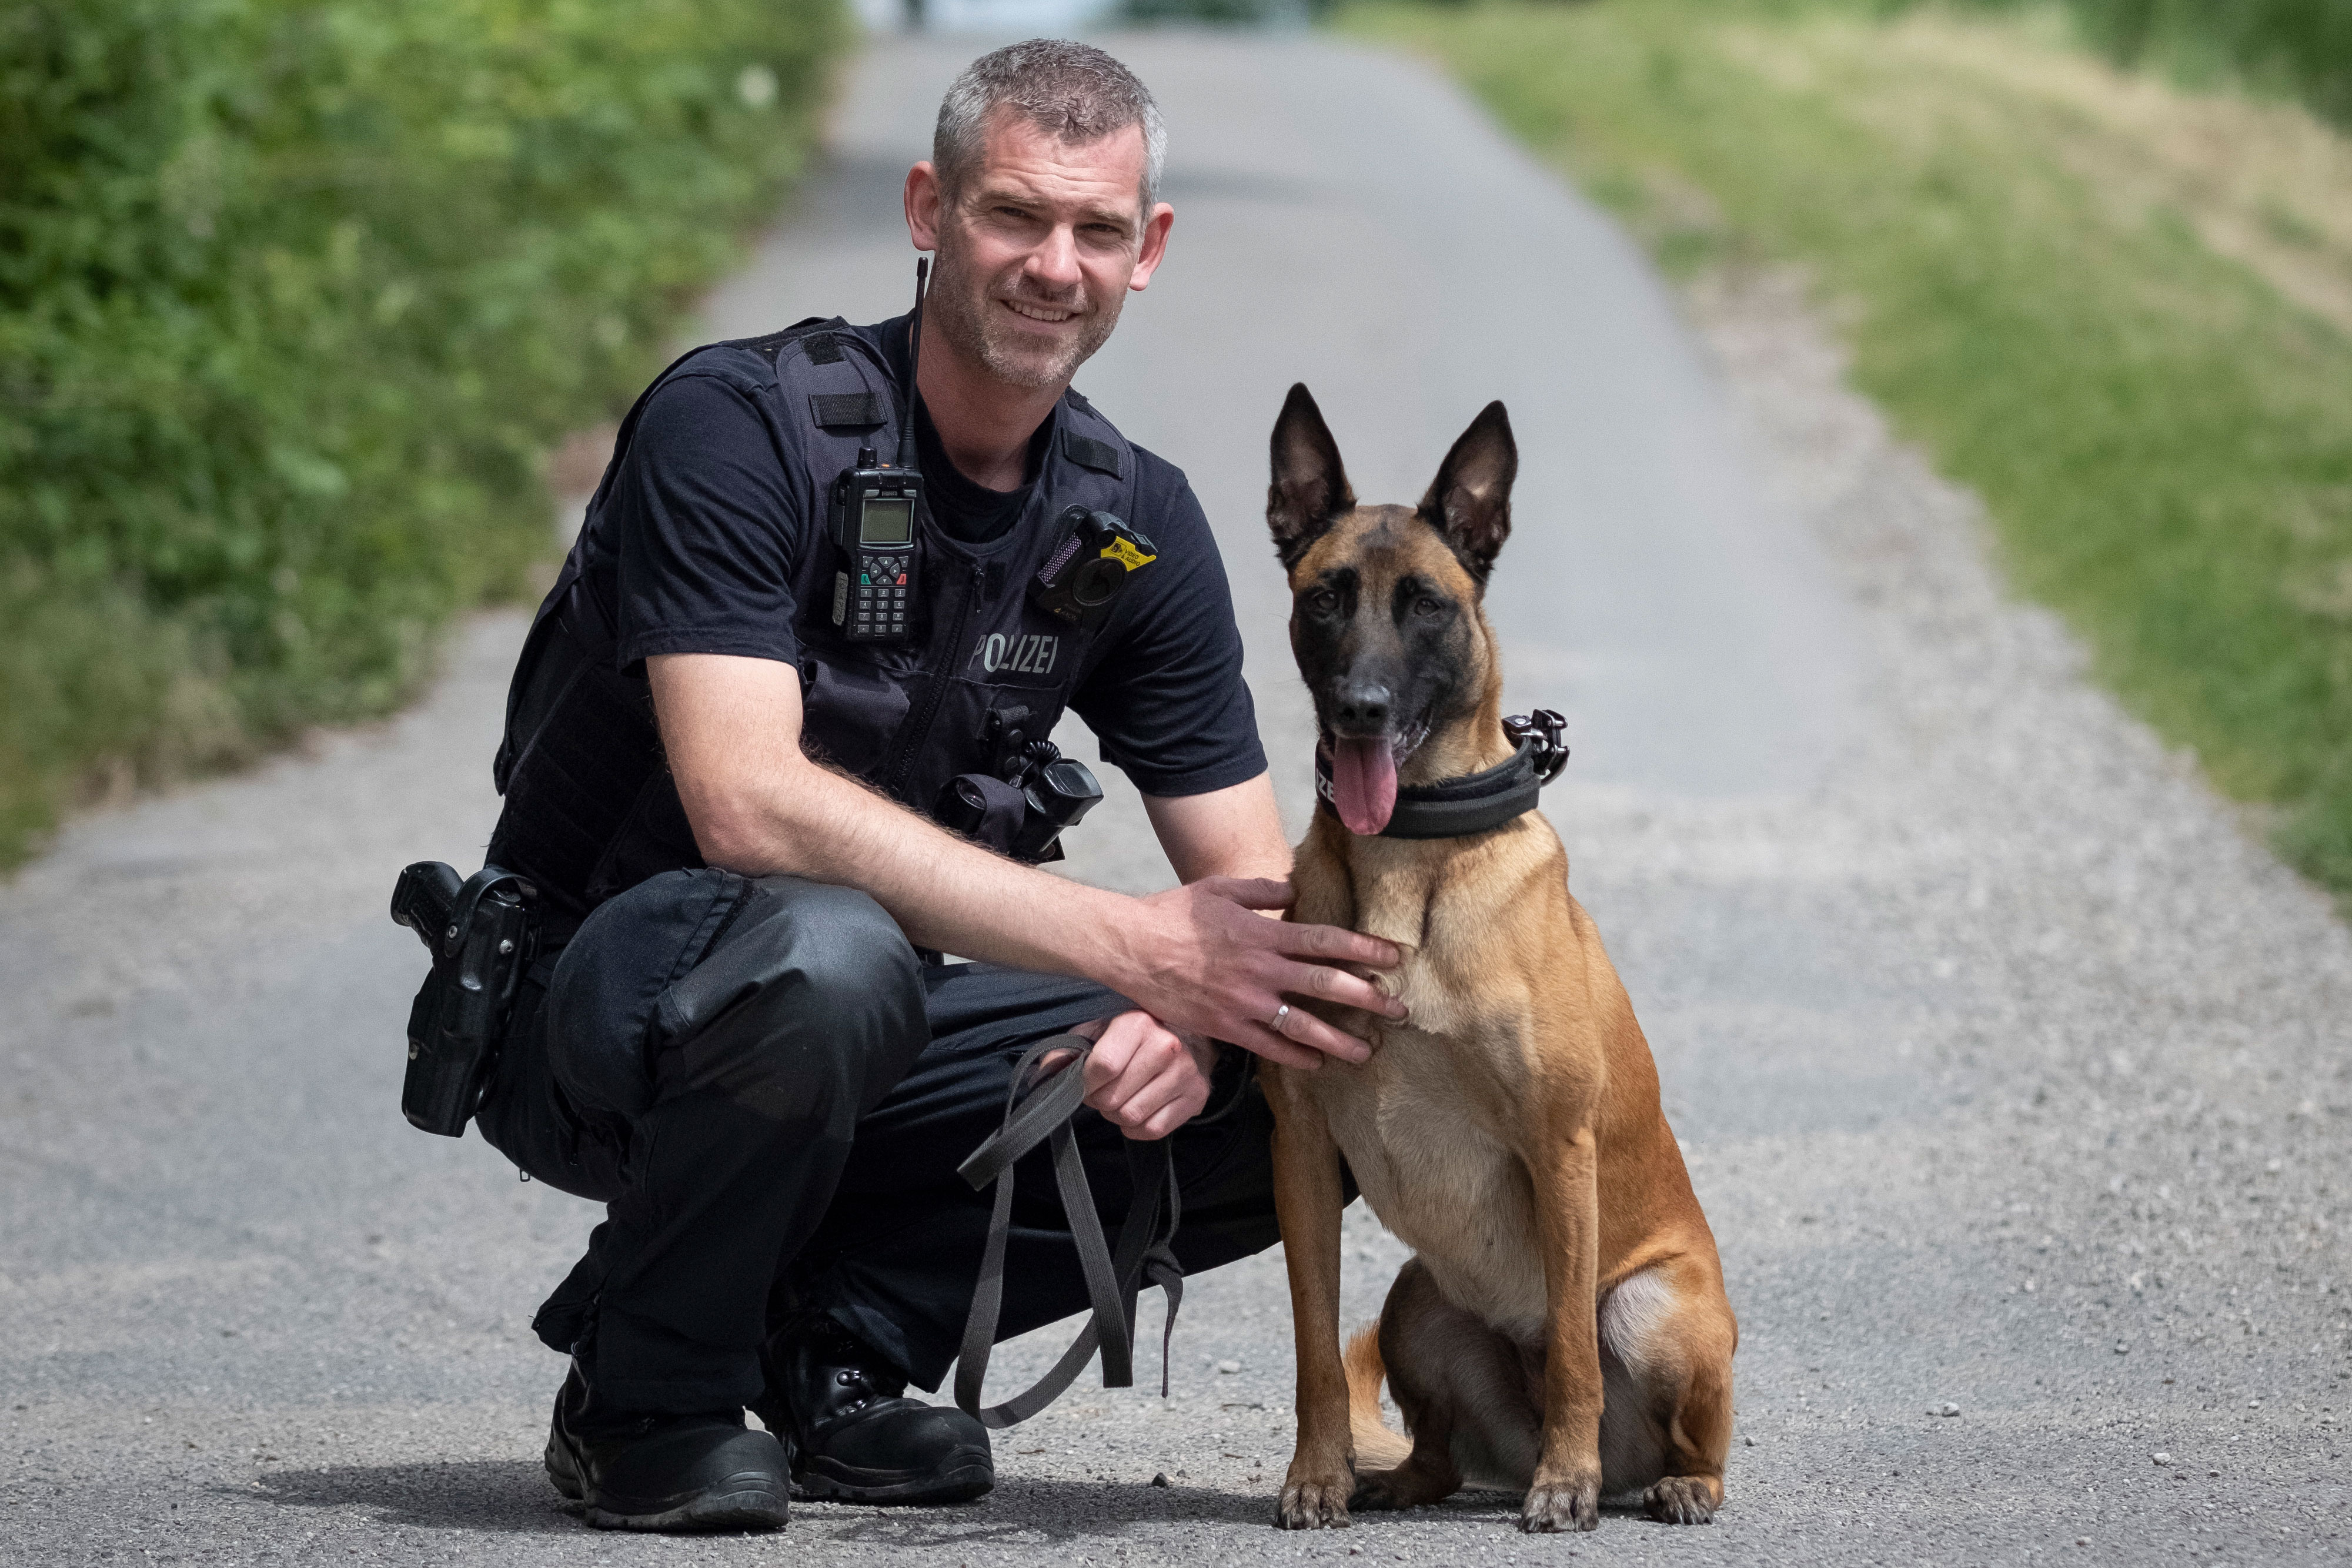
944	893
758	805
1195	956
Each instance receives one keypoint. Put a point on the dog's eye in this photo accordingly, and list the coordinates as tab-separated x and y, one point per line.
1322	602
1425	605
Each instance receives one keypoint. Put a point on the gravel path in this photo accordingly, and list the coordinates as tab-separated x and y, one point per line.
2012	1071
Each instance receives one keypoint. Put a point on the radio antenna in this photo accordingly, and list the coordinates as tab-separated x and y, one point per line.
907	458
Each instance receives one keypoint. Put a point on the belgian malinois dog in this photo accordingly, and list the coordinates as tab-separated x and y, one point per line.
1561	1330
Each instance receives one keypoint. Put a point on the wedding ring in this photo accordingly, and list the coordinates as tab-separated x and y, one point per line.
1280	1013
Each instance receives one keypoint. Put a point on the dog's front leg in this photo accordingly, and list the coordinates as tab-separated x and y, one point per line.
1307	1200
1566	1492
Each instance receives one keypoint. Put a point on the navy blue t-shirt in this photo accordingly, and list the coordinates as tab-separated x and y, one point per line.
703	530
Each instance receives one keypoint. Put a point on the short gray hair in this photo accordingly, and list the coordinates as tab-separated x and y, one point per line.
1074	91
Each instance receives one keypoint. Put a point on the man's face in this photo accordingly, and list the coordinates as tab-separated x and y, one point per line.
1038	249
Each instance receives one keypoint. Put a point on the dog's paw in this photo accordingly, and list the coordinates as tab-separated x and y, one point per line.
1555	1506
1377	1489
1314	1504
1407	1486
1681	1499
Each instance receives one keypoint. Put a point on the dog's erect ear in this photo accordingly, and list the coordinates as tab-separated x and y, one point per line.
1309	490
1470	502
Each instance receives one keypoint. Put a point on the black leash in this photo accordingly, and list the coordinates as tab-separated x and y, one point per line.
1113	1281
1475	802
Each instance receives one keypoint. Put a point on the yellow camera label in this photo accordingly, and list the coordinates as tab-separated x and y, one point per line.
1127	555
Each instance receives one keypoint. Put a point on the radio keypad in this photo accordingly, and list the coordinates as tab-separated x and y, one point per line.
878	601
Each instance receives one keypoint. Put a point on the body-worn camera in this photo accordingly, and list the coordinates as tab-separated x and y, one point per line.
1023	805
482	932
1082	576
873	526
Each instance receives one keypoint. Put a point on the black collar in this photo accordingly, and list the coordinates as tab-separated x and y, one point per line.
1475	802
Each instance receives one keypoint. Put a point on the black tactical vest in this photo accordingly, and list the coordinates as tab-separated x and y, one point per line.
590	809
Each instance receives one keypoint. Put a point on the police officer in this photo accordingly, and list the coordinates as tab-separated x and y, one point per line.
743	1039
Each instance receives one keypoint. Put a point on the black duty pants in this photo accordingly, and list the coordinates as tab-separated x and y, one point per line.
771	1095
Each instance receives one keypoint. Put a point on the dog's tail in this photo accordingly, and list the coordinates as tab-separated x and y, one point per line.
1377	1447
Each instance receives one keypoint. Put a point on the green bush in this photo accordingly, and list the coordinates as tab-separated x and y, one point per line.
294	295
2300	47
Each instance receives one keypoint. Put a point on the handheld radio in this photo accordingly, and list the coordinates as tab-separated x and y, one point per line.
873	522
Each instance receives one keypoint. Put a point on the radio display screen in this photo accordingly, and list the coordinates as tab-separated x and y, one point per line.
887	520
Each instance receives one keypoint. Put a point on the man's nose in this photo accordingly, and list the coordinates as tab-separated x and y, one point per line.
1362	707
1054	262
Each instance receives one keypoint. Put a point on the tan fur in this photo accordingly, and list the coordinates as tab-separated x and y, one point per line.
1510	1132
1376	1443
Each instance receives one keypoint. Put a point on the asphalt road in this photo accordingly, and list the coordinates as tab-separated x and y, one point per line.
2013	1071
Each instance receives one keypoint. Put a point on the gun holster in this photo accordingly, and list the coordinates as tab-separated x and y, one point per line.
483	933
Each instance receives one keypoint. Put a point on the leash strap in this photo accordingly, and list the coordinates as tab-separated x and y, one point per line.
1145	1253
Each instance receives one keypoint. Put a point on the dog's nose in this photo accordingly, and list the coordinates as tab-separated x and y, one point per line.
1362	706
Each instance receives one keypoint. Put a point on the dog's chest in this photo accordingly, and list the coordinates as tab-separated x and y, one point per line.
1429	1127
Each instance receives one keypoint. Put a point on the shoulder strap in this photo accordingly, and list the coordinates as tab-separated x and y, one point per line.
847	387
1093	442
1113	1281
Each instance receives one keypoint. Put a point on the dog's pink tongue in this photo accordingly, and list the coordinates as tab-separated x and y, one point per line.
1363	784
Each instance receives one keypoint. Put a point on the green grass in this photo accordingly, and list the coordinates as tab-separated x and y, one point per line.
295	296
2028	264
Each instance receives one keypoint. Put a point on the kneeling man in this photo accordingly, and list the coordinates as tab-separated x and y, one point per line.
741	717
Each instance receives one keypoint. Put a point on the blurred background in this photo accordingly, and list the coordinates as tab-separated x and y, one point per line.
301	300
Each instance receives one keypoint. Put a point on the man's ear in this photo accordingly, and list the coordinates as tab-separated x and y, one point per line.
924	201
1470	500
1311	489
1154	249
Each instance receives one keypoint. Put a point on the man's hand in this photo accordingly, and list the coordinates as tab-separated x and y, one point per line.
1202	959
1145	1078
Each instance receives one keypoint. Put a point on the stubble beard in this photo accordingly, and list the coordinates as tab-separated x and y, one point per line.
963	308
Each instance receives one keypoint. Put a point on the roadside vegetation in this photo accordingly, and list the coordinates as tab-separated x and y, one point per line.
295	296
2296	47
2119	308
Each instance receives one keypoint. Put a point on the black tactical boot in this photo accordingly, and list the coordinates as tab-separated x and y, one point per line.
665	1472
853	1433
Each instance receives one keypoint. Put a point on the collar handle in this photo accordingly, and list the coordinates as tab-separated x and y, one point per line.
1475	802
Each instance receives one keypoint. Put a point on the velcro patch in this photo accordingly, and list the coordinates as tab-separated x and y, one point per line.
861	409
1088	452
